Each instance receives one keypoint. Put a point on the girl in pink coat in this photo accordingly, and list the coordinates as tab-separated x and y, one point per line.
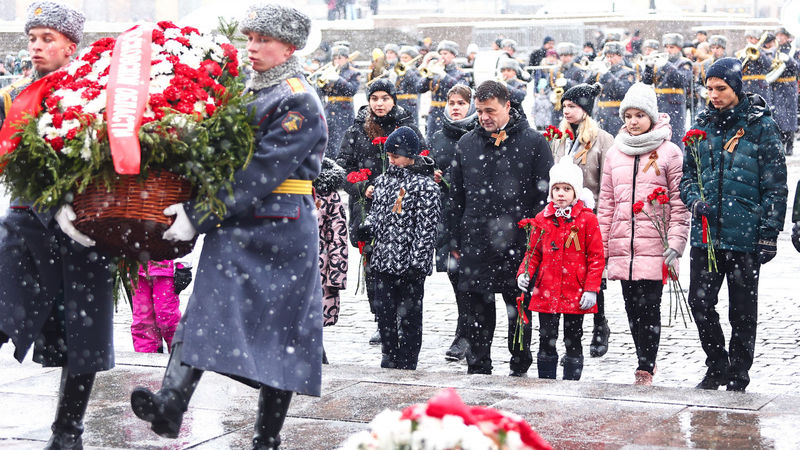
567	252
641	160
155	307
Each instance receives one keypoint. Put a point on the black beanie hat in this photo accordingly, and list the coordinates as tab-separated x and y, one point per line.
582	95
728	70
403	142
382	84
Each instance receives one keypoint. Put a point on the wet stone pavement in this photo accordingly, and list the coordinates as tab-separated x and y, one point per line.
602	410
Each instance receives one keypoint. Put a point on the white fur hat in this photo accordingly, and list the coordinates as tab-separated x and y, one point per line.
640	96
567	172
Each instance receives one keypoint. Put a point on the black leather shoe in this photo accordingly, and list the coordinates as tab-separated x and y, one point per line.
711	383
736	386
458	350
376	338
599	345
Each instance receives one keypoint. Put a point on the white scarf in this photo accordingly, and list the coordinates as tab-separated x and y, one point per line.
643	143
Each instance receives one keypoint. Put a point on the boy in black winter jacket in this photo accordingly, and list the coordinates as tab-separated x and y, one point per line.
403	220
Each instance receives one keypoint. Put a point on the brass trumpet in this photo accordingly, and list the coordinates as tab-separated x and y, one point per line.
316	77
434	66
751	52
401	68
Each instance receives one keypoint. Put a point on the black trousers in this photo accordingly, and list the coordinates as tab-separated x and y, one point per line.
600	315
481	317
742	271
461	306
643	305
398	307
548	334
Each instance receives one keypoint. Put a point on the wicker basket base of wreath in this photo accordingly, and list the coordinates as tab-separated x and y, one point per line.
128	219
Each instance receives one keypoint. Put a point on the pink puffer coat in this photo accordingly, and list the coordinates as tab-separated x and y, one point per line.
630	176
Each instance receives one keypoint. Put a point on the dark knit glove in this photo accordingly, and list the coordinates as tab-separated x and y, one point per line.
796	236
766	251
183	276
701	208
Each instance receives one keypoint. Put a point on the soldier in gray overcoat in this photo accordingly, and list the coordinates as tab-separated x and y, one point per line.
784	94
671	78
256	311
616	79
56	293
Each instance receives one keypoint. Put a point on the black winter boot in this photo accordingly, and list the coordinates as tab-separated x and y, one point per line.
73	398
458	349
547	366
164	409
273	404
600	334
573	367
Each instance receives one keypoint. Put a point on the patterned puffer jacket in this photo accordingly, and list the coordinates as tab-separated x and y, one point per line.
405	212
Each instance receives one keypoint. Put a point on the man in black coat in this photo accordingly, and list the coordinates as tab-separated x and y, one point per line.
500	176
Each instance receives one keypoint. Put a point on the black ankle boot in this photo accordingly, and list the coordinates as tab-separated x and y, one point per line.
164	409
573	367
458	349
600	334
273	404
73	398
546	366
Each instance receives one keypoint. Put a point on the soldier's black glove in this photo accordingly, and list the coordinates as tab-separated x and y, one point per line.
796	236
701	208
766	251
183	277
364	232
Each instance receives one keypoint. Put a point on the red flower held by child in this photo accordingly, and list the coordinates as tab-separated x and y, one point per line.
552	133
358	176
424	153
379	140
638	207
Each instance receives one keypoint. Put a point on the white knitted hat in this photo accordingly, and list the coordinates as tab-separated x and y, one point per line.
640	96
567	172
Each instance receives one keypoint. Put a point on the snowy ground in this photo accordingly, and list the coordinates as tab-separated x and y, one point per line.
680	361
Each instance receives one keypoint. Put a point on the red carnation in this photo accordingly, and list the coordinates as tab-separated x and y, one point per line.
52	102
83	71
366	172
424	153
72	133
158	37
164	24
183	41
189	30
526	222
229	51
210	109
211	67
638	207
90	93
58	120
355	177
379	140
662	199
57	143
233	69
569	133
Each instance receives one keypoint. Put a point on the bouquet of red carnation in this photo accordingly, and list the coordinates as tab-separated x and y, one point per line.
529	225
158	99
551	133
357	177
380	141
692	140
658	199
445	422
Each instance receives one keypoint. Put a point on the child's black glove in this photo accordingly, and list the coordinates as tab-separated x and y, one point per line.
183	277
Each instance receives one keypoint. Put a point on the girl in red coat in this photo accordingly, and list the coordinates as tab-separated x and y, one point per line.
567	252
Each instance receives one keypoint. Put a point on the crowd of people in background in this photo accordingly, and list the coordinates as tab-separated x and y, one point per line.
541	206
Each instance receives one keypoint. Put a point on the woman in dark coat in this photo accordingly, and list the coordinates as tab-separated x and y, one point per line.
360	150
460	118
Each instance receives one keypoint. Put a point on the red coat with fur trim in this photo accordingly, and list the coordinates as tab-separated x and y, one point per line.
568	254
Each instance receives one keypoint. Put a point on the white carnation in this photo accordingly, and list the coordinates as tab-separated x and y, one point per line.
45	121
52	133
97	104
174	47
172	33
75	65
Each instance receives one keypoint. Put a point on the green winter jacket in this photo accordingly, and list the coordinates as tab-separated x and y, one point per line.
746	186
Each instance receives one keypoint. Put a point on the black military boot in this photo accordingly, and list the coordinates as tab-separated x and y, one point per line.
273	404
164	409
73	398
573	367
458	349
600	334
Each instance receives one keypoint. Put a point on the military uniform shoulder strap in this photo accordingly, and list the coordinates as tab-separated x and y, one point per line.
8	90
